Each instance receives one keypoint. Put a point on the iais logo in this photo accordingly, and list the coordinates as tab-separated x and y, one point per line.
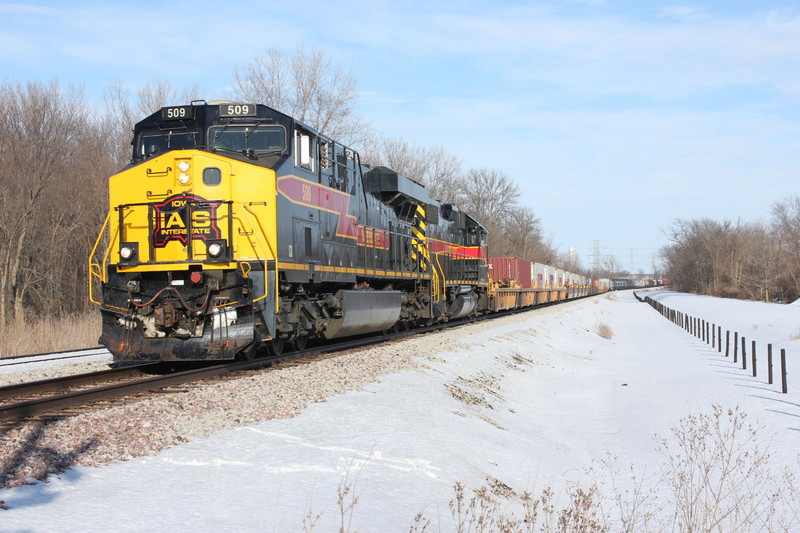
177	215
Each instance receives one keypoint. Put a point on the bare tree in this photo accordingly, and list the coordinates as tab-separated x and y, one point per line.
731	259
443	178
40	128
399	155
308	86
120	118
488	196
265	80
786	229
122	111
520	235
436	168
156	94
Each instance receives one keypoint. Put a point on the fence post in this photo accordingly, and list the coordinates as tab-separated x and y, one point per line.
713	335
783	369
769	363
744	355
719	337
753	355
727	342
735	346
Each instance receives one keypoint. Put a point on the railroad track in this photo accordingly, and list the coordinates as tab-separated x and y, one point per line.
127	381
28	400
19	360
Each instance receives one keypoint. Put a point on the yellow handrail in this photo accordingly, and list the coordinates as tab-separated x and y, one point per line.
439	279
257	247
96	269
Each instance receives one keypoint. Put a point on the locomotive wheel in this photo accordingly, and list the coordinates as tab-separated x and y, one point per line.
299	342
250	353
275	346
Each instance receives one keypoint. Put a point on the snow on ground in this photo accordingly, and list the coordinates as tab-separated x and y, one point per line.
525	405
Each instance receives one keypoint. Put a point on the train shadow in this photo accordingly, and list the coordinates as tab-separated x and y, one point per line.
29	454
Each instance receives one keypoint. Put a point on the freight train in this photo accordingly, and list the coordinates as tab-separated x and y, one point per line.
237	230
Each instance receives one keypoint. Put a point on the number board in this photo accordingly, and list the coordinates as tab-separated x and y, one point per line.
237	110
176	113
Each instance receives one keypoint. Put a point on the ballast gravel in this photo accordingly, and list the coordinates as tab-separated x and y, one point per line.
144	426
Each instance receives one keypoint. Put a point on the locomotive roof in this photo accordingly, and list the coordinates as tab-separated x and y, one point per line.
202	113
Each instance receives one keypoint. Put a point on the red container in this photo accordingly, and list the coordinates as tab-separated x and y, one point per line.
511	268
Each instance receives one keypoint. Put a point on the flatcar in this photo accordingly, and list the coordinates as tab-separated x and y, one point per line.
236	229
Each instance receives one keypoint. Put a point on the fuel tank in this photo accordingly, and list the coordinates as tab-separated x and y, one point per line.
363	311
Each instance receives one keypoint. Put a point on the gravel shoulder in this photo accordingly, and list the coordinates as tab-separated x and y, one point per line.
145	426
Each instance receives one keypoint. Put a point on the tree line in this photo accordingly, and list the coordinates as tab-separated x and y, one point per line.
57	152
750	260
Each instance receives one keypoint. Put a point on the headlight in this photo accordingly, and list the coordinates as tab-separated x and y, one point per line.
126	252
183	166
215	249
184	178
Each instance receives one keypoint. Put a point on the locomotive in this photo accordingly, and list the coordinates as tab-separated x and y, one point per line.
236	230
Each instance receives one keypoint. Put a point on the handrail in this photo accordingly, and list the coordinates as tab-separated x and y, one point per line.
257	247
96	269
439	279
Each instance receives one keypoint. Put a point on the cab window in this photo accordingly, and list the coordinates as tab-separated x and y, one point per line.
157	142
244	138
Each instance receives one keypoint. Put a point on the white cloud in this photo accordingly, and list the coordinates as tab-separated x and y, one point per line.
683	12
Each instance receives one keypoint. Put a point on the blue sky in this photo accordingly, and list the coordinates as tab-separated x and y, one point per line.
615	117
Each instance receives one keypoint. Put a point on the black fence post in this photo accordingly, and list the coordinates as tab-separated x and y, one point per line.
783	369
744	355
719	337
727	342
769	363
713	335
735	346
753	355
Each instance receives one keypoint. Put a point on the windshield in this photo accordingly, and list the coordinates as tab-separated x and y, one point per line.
153	142
243	138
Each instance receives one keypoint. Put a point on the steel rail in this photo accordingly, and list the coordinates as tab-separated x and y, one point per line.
65	382
37	406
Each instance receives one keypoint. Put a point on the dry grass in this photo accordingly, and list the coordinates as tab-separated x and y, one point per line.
605	331
48	335
715	477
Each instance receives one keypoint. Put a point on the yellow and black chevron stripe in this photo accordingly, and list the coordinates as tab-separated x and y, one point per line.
419	248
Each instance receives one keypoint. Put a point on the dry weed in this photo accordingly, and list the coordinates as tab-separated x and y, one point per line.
50	335
605	331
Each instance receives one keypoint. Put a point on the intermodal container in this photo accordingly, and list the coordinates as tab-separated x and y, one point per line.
511	268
